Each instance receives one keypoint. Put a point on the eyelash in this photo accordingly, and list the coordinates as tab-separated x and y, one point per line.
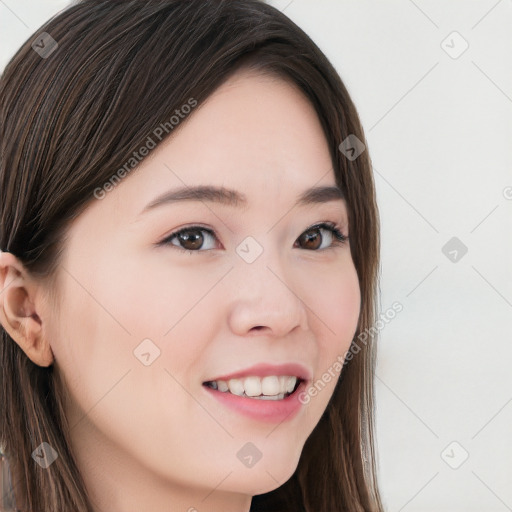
338	237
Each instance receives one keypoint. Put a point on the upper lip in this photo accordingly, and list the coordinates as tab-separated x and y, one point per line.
263	369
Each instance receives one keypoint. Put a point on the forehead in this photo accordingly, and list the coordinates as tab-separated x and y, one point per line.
256	133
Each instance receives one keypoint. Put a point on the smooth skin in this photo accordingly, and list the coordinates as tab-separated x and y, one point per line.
150	437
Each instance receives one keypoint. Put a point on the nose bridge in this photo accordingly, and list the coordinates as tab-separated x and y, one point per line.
266	294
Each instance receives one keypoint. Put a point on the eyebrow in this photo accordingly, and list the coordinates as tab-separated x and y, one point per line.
235	199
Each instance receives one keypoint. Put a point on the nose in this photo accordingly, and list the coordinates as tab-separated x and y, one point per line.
266	300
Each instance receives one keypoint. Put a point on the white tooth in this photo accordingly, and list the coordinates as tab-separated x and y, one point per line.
236	387
270	385
252	386
222	385
273	397
291	384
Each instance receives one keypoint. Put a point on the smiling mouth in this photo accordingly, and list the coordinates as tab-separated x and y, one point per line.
271	387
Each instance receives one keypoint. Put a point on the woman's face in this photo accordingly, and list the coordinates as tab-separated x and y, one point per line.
144	323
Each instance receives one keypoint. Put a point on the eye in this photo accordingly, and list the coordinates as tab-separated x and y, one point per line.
191	239
311	237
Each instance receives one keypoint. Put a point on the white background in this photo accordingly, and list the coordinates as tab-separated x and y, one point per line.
439	133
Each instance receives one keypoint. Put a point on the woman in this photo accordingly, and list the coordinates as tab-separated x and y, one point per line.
189	238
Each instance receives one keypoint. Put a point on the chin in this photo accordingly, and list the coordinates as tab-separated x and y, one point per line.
267	474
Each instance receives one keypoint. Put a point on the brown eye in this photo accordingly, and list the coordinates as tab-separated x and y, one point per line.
312	239
189	239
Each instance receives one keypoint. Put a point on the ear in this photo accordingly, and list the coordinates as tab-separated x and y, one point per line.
20	308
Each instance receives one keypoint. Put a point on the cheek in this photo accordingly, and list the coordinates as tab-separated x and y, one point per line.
338	316
154	297
91	343
108	385
115	321
339	308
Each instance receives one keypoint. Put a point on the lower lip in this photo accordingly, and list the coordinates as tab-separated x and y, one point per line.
273	411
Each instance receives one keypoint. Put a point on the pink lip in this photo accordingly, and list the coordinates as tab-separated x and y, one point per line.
263	370
272	411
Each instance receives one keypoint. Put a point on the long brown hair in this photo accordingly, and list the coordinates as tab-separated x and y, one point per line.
71	117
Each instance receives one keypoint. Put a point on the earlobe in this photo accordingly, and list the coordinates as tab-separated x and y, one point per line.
18	310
